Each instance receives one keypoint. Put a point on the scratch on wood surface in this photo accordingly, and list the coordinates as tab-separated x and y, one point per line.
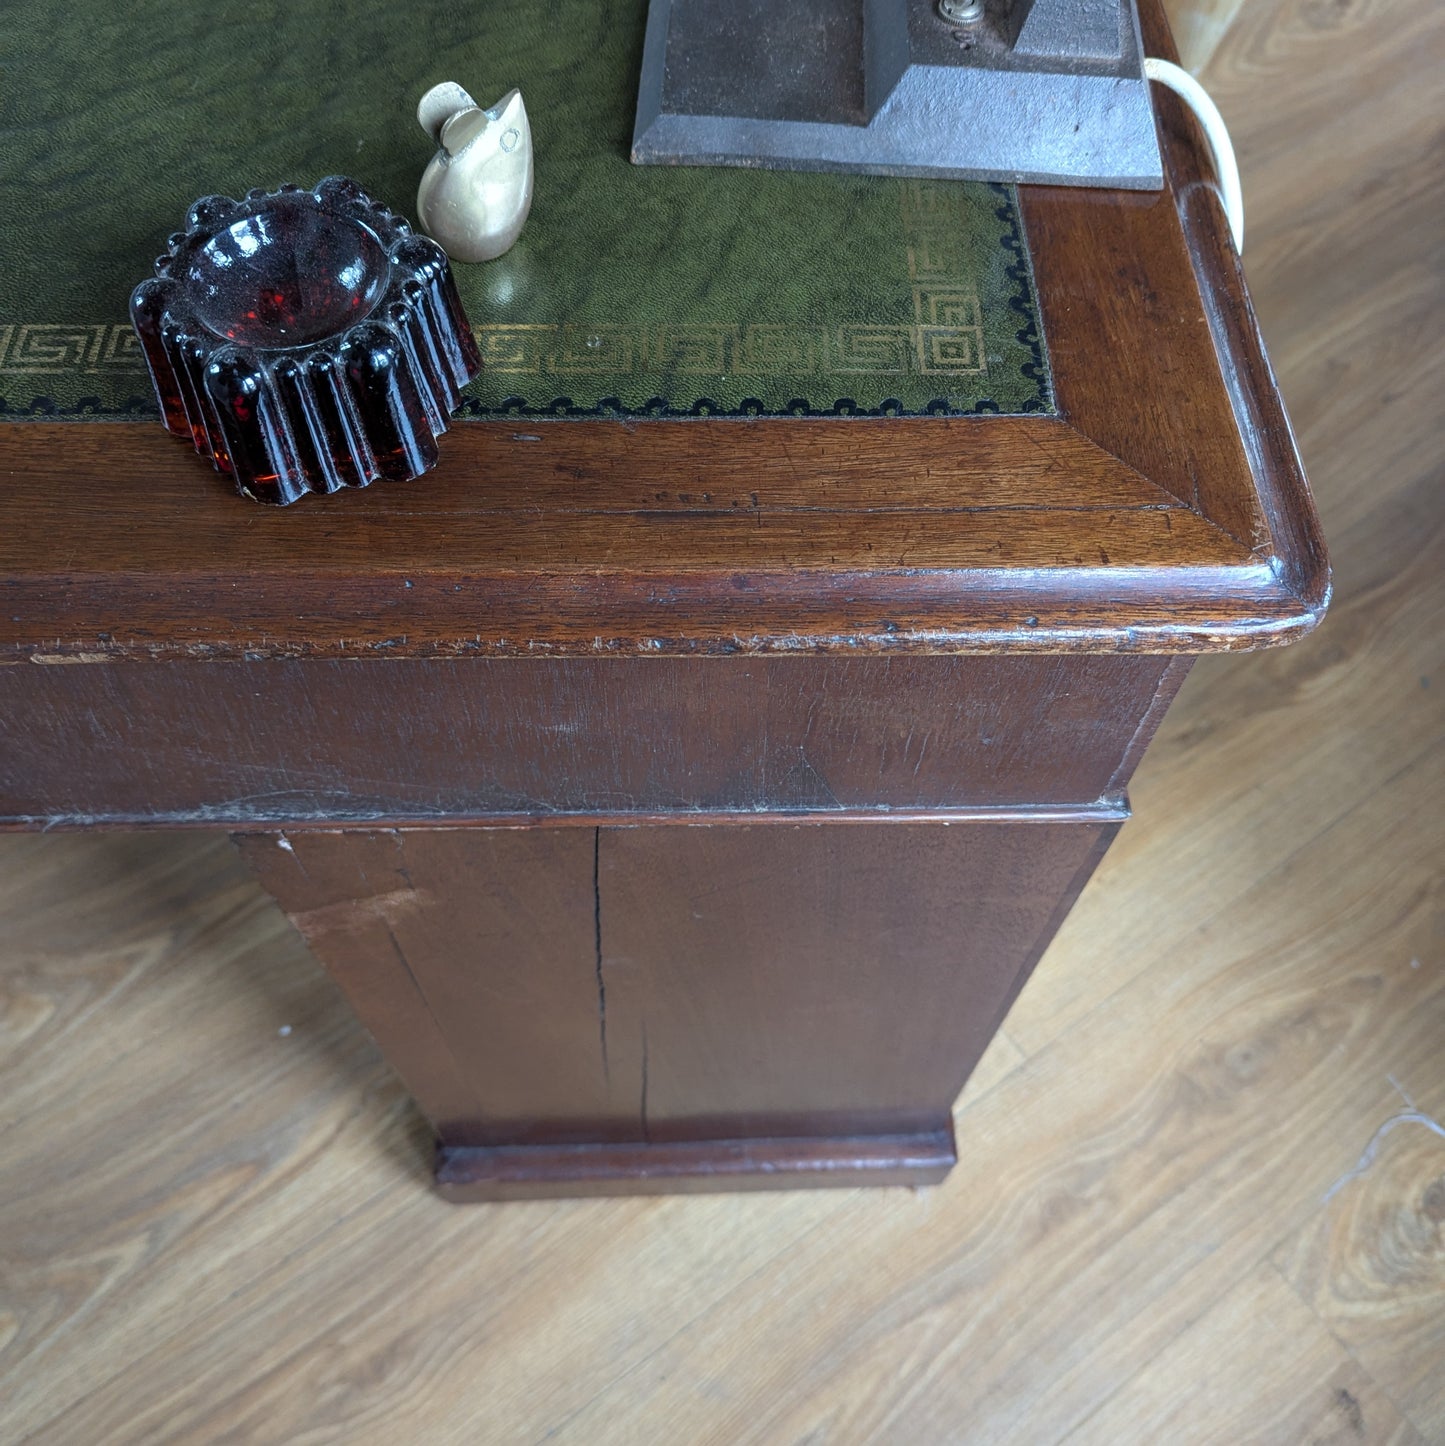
807	768
646	1128
597	951
401	867
405	963
921	752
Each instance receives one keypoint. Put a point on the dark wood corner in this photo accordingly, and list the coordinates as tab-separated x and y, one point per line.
892	674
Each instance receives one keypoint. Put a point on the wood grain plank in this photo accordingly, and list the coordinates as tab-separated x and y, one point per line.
1199	26
160	1054
1371	1263
1213	1386
417	579
1212	597
596	469
327	742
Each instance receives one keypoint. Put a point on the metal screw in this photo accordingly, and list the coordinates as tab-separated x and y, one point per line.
961	12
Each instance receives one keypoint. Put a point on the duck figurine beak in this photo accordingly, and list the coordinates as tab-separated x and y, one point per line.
476	192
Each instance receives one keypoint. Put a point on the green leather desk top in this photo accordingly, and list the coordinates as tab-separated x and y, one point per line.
652	291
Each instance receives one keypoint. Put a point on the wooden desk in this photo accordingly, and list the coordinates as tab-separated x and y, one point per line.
689	818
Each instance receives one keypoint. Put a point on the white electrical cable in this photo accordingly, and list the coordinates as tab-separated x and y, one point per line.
1197	99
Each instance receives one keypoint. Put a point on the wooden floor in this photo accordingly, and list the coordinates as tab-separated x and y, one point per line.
1202	1193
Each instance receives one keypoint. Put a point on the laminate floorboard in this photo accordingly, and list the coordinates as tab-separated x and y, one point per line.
1201	1195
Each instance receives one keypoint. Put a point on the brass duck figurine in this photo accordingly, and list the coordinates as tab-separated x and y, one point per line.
476	192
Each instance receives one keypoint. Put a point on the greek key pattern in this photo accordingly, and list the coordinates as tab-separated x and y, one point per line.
946	337
949	320
949	340
59	348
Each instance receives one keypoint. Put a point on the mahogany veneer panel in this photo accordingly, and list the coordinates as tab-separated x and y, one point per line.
594	987
792	976
318	741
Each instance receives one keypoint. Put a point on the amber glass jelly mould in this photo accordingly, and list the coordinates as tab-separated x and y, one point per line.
305	341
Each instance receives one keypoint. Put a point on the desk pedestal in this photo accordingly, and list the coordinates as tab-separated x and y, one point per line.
694	998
